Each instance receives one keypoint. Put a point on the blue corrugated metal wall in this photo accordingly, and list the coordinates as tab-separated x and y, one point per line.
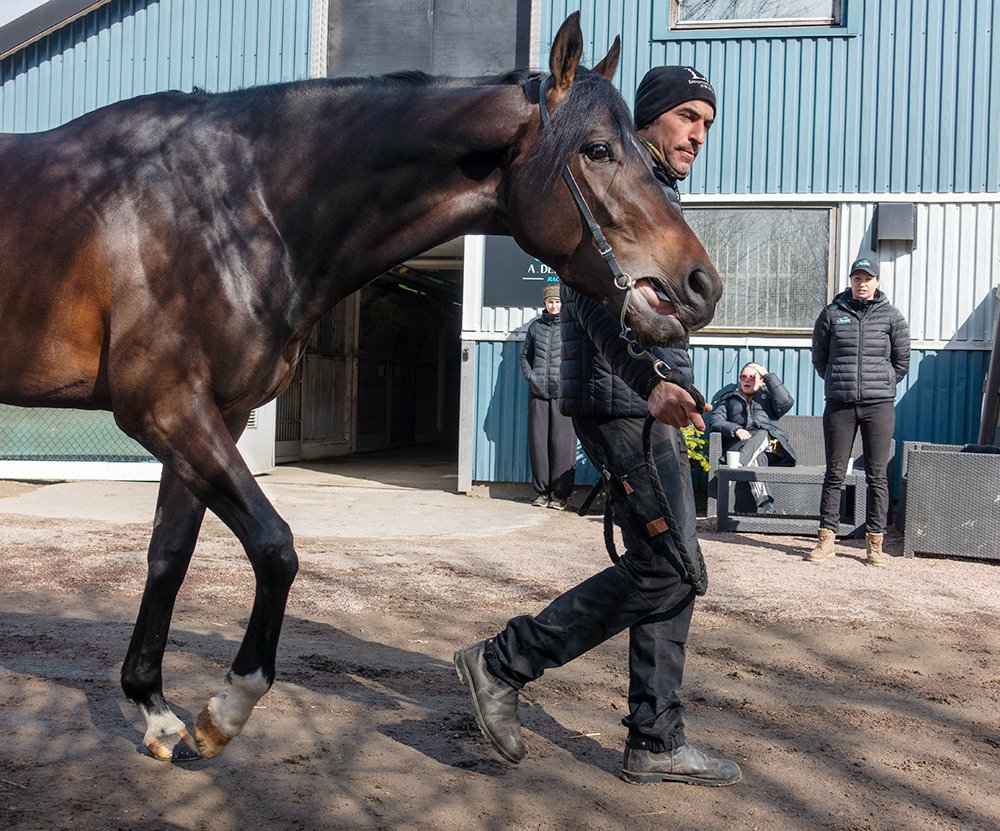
905	100
132	47
939	400
909	104
127	48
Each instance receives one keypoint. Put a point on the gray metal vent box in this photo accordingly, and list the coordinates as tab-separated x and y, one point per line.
895	221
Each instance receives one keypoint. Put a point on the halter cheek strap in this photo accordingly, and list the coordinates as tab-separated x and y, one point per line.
623	280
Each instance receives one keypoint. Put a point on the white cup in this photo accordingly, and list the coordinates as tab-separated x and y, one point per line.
732	458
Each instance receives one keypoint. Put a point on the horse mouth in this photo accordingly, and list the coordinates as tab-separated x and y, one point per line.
656	298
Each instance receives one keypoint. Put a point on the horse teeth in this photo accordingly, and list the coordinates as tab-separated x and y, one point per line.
661	294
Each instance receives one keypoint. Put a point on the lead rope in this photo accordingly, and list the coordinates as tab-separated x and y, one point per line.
697	577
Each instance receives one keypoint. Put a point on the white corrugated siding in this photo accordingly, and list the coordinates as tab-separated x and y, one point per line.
944	284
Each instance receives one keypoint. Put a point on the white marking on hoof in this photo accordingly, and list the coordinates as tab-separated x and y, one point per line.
166	738
227	713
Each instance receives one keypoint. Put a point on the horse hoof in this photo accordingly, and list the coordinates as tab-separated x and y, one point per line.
175	747
211	741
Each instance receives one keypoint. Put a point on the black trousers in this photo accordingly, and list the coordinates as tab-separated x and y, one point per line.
841	423
552	444
644	593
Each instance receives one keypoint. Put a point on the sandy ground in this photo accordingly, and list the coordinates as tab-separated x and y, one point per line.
854	698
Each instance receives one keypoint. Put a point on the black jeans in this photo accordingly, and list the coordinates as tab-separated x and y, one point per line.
645	592
552	444
840	425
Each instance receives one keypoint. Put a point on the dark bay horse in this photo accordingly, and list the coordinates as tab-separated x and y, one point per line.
166	257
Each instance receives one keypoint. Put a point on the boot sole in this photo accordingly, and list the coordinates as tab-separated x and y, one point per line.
462	671
658	778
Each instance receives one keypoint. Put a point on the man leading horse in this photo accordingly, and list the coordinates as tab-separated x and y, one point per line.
609	392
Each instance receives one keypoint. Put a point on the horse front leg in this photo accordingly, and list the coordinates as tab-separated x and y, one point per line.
202	452
175	531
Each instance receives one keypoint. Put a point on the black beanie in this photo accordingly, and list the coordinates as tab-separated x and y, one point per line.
664	87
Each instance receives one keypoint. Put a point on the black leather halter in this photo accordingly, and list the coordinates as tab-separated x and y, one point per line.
623	280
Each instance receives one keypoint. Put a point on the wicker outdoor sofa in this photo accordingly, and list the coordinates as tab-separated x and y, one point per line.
950	501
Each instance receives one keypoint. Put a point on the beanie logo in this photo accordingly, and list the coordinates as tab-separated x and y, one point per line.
699	80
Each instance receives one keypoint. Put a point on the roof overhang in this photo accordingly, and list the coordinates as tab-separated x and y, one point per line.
42	21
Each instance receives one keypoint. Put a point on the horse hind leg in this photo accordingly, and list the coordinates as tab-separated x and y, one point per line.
175	531
201	450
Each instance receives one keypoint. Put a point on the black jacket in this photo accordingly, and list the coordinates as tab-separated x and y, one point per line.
861	349
541	355
599	377
732	412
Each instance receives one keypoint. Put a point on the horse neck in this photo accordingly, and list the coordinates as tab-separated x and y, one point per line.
360	179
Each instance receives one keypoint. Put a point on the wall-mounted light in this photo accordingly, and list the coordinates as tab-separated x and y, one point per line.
896	221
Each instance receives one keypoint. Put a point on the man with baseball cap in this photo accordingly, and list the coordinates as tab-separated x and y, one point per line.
609	393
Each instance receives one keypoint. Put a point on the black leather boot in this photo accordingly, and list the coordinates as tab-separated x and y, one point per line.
682	764
494	702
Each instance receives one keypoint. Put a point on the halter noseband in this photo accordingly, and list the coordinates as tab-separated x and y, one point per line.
622	280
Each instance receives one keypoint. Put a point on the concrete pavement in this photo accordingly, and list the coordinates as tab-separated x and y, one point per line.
389	496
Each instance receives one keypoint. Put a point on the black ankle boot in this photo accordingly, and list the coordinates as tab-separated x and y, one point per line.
494	702
682	764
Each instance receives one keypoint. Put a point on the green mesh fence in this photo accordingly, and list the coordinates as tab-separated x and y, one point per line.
38	434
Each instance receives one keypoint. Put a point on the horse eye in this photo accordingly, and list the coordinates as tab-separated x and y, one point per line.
598	152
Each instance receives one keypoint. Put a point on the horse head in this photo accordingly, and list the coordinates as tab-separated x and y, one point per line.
591	132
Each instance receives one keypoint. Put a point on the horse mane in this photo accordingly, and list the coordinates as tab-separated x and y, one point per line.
570	122
415	78
405	79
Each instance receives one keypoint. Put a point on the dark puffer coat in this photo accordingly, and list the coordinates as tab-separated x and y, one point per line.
861	349
599	377
733	412
541	355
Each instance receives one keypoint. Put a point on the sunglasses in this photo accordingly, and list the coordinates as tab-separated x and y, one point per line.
748	377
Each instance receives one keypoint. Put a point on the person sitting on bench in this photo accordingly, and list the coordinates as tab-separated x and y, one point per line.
747	417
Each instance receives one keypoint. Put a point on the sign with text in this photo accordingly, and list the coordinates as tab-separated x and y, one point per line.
512	278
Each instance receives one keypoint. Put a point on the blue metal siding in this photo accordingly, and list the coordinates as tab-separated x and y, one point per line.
120	50
133	47
939	400
911	104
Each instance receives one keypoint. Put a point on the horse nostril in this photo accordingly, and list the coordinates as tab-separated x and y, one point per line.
701	286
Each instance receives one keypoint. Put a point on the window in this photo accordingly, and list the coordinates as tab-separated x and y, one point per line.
774	264
719	14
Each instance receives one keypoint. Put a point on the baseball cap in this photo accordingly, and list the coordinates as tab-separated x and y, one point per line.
867	264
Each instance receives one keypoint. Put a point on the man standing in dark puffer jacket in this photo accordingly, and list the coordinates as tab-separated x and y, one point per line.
551	440
609	393
861	349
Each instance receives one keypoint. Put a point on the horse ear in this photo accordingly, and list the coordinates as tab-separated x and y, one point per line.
564	58
606	68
